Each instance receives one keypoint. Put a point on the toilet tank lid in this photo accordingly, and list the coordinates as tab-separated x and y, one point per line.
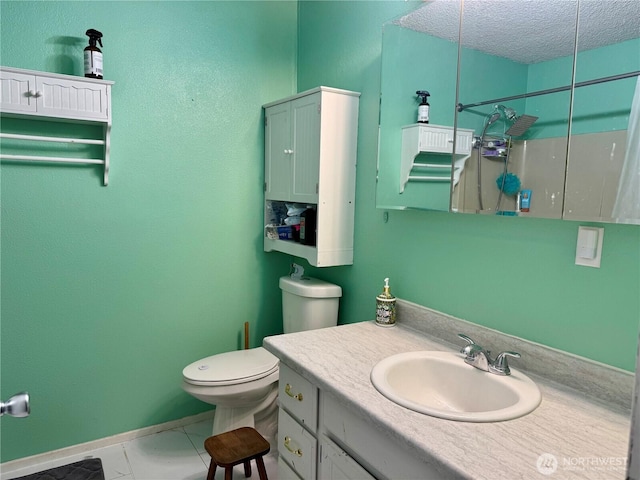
310	287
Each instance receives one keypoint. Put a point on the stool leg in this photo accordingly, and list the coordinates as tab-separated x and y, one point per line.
247	469
262	472
228	473
212	470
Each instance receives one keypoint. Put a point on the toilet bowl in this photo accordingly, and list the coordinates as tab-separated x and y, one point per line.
243	384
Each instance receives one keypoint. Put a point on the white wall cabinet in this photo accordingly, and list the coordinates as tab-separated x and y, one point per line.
310	158
57	97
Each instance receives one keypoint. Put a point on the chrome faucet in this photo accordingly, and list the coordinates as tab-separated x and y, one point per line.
478	357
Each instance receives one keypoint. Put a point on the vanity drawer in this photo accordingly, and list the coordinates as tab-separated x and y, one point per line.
285	472
299	397
296	446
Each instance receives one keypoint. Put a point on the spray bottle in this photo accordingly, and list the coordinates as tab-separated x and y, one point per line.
93	55
423	108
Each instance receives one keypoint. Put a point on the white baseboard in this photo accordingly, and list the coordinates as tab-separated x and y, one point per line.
8	467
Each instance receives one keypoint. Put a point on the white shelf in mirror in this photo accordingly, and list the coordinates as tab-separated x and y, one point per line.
438	140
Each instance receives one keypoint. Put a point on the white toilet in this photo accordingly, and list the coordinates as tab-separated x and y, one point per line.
243	384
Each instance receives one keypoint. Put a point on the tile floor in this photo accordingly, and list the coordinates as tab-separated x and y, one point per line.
176	454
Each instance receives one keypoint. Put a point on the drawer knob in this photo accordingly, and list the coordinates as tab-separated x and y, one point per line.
297	396
287	445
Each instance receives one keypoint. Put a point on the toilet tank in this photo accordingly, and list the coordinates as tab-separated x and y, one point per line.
308	303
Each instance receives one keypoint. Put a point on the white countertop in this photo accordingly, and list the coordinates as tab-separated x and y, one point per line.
588	438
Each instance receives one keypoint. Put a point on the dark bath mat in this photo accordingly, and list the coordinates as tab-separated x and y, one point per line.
89	469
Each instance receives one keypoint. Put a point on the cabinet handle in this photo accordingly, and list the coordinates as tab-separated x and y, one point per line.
35	93
287	445
297	396
288	151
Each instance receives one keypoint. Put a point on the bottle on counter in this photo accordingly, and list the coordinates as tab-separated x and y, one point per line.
386	307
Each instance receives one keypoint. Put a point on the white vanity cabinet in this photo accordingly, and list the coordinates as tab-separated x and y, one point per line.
55	97
310	158
304	450
319	438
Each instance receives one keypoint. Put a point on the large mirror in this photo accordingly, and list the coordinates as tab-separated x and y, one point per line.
540	95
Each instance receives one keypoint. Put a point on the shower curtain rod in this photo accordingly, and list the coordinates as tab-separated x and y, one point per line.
462	107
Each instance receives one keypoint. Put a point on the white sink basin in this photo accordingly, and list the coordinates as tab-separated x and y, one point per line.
442	385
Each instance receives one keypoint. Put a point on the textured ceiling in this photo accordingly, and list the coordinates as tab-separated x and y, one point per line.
529	31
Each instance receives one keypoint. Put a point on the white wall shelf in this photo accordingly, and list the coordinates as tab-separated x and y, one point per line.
59	98
434	139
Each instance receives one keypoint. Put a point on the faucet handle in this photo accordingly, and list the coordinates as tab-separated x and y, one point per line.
500	366
472	348
469	340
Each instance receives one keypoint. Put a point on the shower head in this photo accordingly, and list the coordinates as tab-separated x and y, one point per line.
493	118
509	113
521	125
490	121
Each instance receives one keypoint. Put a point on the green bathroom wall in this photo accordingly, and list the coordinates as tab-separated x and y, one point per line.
605	107
596	108
403	75
552	110
517	275
109	292
483	77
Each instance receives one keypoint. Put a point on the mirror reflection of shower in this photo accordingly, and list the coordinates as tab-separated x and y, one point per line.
498	147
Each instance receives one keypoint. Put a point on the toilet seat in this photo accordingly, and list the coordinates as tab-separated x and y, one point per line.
231	368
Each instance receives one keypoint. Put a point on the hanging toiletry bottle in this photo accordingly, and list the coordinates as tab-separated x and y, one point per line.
423	108
93	55
386	307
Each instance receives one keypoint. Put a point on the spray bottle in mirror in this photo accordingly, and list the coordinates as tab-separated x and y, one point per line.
423	108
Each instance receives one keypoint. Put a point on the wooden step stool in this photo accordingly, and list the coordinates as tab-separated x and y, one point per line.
235	447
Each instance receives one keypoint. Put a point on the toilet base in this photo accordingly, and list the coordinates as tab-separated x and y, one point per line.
264	418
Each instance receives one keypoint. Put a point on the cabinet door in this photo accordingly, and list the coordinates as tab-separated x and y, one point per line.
305	170
336	464
71	99
278	152
17	92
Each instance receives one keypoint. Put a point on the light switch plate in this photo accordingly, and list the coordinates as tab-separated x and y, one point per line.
589	246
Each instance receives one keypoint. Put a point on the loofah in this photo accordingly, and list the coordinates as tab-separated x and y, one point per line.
511	184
